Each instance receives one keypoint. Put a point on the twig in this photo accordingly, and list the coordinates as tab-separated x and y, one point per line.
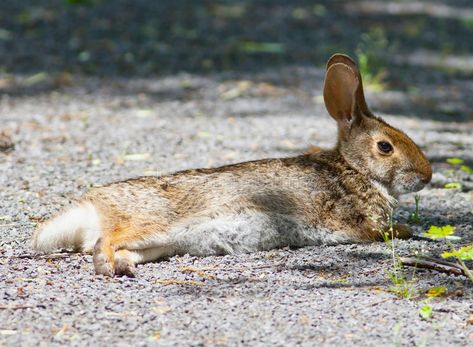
15	307
199	272
42	256
433	264
440	261
167	282
422	238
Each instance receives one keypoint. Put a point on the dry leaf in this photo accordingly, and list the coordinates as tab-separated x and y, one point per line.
64	328
167	282
156	335
20	291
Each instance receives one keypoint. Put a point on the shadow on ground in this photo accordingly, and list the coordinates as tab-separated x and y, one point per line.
421	52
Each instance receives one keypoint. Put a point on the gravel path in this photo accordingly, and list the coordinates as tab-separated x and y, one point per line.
95	131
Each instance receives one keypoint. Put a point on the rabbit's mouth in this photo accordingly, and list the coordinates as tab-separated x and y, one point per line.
409	182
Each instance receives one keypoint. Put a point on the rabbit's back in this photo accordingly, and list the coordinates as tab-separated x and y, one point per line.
271	185
233	209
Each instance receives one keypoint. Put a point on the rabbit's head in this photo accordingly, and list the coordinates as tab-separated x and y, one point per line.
366	142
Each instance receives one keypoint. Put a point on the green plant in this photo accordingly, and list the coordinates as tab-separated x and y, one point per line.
458	164
468	22
453	185
426	310
446	233
414	216
403	285
370	53
455	161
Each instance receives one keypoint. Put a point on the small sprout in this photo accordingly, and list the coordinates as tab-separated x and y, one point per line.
464	253
445	232
414	217
453	185
455	161
425	311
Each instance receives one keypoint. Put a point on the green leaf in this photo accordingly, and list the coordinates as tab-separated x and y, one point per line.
455	161
466	169
436	232
453	185
464	253
425	311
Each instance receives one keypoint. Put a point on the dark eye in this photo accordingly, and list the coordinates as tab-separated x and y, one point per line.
385	147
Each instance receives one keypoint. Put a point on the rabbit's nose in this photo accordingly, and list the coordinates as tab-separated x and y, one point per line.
426	178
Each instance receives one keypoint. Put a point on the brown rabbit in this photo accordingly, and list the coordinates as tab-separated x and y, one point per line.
346	194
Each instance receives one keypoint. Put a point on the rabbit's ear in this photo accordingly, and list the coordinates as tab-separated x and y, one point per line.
341	85
341	58
360	96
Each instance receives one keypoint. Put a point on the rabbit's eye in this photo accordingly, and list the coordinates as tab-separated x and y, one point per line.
385	147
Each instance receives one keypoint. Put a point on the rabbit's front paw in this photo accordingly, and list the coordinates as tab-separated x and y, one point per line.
402	231
124	267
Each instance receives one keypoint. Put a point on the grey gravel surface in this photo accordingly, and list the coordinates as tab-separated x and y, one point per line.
96	131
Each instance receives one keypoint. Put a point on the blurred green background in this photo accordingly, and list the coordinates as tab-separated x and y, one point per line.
423	48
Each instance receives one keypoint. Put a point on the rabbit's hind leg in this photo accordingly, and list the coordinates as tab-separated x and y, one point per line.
104	258
126	260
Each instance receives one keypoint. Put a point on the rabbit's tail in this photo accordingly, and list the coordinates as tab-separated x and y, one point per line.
78	228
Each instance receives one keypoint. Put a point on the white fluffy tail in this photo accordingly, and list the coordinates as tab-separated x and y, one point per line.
78	229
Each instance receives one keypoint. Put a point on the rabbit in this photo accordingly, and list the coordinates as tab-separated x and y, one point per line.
340	195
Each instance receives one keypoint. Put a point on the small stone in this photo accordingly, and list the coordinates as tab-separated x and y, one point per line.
6	142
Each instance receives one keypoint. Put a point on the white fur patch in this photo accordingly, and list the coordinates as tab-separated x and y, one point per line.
385	193
246	233
78	228
138	256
